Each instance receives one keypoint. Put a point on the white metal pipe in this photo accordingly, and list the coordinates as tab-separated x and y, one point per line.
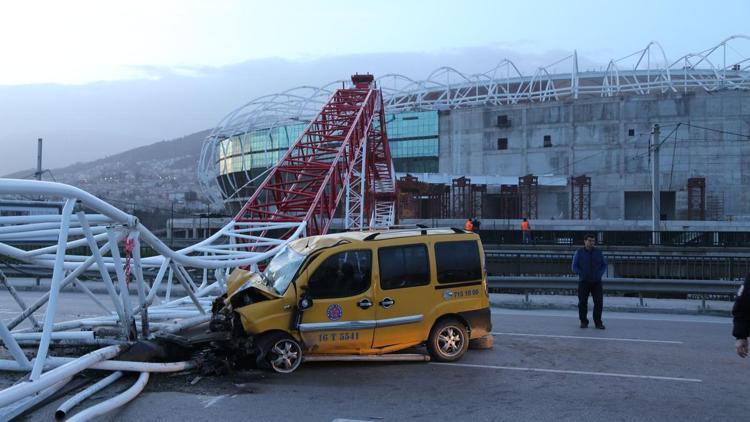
17	409
169	283
12	290
129	366
106	279
18	391
73	244
157	281
29	187
89	391
114	402
12	345
65	335
124	293
42	300
187	323
100	342
57	277
81	286
50	218
140	283
187	286
42	233
24	227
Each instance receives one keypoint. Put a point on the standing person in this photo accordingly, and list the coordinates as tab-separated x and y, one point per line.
590	265
526	231
741	314
476	225
468	226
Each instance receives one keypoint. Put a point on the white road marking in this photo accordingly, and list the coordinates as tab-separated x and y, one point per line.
561	371
350	420
637	340
705	319
212	401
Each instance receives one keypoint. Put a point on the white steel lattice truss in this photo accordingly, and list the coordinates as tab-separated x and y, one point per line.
646	71
90	236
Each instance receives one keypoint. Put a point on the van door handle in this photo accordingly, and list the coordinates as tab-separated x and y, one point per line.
364	303
387	302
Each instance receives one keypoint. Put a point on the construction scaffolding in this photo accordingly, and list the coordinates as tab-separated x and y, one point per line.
478	192
461	196
528	187
580	198
696	187
510	202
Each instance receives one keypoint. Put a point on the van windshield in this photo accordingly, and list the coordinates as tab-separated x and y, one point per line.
282	268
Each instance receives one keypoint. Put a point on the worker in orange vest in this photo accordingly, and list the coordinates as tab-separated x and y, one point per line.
526	231
469	226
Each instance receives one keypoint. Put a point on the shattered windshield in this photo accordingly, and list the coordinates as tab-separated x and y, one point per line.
282	268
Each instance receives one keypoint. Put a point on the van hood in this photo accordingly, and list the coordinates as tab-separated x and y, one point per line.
241	280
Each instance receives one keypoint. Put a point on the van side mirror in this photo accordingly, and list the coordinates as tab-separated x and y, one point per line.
305	302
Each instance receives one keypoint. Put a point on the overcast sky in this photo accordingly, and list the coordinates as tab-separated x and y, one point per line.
98	77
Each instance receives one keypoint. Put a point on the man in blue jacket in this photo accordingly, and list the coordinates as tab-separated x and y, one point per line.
741	313
590	265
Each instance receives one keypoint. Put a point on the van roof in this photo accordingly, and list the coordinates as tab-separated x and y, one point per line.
308	244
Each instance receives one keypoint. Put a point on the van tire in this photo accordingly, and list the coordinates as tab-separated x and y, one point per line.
279	352
448	340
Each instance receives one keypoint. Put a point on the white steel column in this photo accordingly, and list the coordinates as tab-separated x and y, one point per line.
57	276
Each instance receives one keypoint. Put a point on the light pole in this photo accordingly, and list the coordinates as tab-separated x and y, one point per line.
655	187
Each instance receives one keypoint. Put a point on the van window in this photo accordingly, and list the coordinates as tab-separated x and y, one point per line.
403	266
457	261
341	275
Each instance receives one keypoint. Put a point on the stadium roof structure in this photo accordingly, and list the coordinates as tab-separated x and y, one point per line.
646	71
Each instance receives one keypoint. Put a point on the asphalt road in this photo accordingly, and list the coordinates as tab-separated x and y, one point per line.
543	367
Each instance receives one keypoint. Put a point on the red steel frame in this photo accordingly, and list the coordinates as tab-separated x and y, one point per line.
308	182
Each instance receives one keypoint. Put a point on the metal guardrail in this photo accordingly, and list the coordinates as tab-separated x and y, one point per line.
711	239
625	265
625	285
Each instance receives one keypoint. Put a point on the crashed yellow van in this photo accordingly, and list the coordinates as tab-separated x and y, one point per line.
357	294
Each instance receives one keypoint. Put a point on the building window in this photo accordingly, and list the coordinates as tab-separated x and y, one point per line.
502	121
502	143
631	132
547	141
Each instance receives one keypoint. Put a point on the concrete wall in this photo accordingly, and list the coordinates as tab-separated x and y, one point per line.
592	136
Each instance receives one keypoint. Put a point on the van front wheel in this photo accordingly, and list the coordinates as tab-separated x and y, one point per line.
448	341
280	353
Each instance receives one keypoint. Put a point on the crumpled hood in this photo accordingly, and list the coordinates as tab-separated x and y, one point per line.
241	279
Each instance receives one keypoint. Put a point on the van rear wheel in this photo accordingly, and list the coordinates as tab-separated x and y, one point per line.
448	341
279	353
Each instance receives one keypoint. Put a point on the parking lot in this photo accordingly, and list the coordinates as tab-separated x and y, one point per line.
543	367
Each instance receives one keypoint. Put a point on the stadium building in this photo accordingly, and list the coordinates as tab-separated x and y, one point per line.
501	145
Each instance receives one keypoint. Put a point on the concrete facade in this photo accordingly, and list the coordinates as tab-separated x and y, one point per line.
608	140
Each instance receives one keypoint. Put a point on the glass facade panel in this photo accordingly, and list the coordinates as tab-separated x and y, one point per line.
412	136
257	149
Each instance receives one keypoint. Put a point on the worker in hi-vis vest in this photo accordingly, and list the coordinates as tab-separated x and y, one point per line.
526	231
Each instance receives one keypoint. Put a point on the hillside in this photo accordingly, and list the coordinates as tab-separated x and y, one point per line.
157	176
